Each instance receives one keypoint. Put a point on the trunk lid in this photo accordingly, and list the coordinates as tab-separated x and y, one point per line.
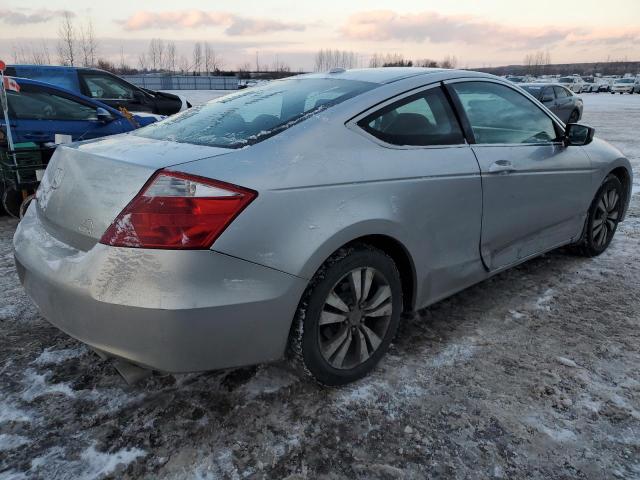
87	185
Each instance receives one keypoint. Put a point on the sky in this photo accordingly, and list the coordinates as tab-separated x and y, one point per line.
477	32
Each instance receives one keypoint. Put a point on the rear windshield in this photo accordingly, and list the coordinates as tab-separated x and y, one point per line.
255	114
566	80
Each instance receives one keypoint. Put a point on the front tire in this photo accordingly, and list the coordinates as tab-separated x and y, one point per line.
602	219
348	316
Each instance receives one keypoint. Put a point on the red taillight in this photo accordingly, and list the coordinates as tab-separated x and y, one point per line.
178	211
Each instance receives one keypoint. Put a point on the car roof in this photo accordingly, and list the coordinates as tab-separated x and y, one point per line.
375	75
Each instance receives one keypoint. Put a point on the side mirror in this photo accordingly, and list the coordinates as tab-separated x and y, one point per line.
103	115
577	134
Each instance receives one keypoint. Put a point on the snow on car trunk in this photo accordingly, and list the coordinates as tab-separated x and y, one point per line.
87	185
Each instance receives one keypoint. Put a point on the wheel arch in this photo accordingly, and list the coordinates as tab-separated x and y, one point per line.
401	257
623	174
383	240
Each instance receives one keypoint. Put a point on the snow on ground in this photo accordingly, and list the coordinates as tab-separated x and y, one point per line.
531	374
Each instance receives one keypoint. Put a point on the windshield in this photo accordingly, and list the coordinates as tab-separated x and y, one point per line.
625	80
566	80
515	79
253	115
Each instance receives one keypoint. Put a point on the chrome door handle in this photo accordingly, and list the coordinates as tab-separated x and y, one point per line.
501	166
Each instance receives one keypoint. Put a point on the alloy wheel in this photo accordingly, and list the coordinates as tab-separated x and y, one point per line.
605	218
355	318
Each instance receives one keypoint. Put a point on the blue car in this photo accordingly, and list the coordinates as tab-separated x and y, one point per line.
41	110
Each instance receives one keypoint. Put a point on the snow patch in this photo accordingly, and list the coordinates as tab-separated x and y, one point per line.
453	354
10	413
91	465
9	441
542	302
558	434
37	386
268	380
50	356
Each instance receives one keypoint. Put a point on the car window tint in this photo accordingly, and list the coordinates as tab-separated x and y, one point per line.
44	105
420	120
499	114
254	114
105	86
561	92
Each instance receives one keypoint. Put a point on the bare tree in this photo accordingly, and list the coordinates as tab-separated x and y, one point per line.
328	59
142	61
40	54
212	61
197	58
88	45
183	65
171	57
67	40
156	54
389	60
425	62
450	61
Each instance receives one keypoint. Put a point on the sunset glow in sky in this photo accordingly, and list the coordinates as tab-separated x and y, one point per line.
478	33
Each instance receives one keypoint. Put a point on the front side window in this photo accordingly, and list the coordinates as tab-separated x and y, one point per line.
254	114
499	114
100	85
38	104
420	120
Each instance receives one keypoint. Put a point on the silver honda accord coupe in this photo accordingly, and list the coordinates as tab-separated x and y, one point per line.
300	219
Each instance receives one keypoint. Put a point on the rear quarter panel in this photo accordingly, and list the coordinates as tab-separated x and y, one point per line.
322	185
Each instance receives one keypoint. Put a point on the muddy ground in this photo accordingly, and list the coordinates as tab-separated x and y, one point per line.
532	374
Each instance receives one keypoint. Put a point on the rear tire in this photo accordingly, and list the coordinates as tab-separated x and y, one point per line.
602	219
347	317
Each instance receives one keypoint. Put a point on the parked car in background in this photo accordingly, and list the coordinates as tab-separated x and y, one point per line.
40	110
590	85
573	83
560	100
104	87
306	215
624	85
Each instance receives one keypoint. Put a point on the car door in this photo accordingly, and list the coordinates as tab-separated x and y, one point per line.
114	91
41	112
564	103
419	135
534	188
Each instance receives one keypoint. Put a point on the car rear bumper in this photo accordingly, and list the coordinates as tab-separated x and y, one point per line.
175	311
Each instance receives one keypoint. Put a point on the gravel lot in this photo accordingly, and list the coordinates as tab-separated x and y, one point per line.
532	374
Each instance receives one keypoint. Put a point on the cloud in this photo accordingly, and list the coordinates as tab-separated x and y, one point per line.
234	24
384	25
24	17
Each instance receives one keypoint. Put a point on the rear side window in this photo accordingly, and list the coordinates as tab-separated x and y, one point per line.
561	92
423	119
41	104
104	86
499	114
254	114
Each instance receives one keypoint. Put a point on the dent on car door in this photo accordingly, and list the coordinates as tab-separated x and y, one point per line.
535	189
420	137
